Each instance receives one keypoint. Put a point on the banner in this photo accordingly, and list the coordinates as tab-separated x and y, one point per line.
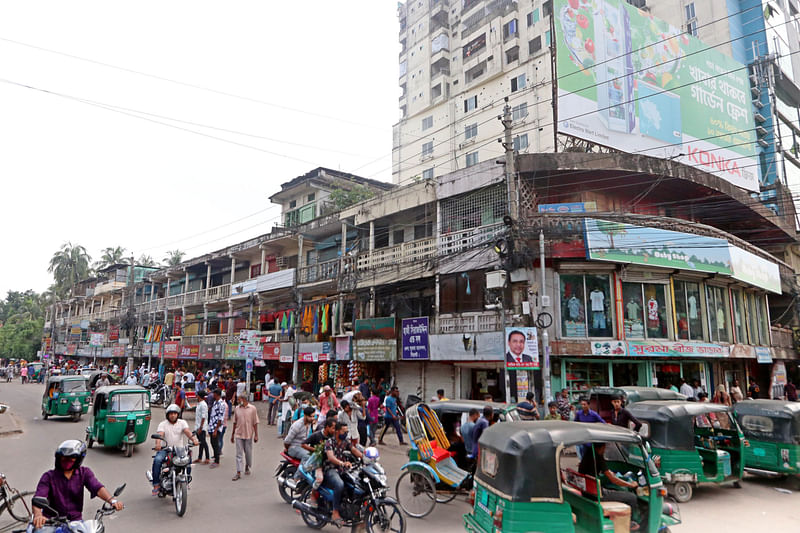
675	349
171	349
189	351
113	333
375	328
96	339
176	327
250	344
609	348
118	351
522	349
572	207
633	82
414	335
272	351
71	349
211	351
375	350
342	347
231	351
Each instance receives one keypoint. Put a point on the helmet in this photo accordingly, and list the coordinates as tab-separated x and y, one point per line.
71	448
173	408
371	454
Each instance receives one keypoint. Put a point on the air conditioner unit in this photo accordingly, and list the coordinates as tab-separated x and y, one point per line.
758	103
755	91
496	279
281	261
761	130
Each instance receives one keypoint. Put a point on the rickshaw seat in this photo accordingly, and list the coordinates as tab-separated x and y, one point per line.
449	472
439	454
582	482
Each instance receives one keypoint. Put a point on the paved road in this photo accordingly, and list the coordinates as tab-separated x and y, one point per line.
252	504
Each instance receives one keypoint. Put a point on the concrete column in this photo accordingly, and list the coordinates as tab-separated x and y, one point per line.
300	254
263	261
152	291
371	235
205	319
344	239
233	269
208	277
186	283
183	321
230	319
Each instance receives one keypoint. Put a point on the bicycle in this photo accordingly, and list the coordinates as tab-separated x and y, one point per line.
16	503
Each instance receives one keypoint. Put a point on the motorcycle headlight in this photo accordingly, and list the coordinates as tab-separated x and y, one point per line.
180	461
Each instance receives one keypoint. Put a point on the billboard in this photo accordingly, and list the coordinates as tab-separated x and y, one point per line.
414	337
522	348
633	82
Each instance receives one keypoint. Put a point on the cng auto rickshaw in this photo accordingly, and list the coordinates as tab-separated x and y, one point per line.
600	397
120	417
65	396
772	429
524	482
693	442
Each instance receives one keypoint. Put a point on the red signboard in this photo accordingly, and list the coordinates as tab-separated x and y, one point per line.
189	351
118	351
171	349
71	348
272	351
113	333
176	329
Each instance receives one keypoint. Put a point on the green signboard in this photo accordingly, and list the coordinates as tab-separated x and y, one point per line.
375	328
633	82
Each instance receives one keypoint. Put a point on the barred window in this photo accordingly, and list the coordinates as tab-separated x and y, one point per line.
482	207
518	112
427	149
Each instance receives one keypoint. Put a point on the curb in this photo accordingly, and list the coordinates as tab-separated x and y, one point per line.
9	425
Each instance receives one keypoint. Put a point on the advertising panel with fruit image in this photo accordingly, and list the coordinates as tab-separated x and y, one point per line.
629	81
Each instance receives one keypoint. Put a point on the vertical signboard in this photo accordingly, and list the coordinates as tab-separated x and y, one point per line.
414	335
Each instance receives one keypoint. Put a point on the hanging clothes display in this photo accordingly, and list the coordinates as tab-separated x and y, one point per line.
325	316
335	317
315	327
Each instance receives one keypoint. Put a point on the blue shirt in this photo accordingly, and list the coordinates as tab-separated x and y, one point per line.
477	431
275	389
592	416
391	407
467	429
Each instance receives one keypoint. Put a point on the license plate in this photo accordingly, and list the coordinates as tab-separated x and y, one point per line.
139	421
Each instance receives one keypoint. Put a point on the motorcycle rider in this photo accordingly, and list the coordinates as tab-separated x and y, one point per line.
299	431
63	486
173	430
335	463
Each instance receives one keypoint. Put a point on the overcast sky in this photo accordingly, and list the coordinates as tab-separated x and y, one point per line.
315	73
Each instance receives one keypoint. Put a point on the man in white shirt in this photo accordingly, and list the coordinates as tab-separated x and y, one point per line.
175	431
201	426
131	379
686	389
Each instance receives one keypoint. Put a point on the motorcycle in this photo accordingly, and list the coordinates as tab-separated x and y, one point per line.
159	394
288	487
61	524
175	477
364	499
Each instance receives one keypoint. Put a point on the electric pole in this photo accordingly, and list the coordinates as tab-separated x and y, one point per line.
131	317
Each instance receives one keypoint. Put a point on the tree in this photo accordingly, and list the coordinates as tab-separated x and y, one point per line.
174	257
21	319
146	261
69	265
111	256
344	198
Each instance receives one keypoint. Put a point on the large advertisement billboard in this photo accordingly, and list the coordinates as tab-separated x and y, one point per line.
634	83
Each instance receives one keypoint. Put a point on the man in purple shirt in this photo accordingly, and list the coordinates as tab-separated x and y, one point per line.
586	414
63	486
483	422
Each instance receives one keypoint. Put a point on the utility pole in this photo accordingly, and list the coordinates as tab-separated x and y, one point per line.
511	182
296	356
131	317
544	302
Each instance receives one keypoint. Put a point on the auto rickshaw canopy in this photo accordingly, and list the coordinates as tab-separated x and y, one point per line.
520	460
464	406
638	394
671	423
769	420
102	395
76	383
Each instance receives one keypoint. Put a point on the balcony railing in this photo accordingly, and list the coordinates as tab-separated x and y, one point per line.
407	252
471	323
458	241
782	338
324	271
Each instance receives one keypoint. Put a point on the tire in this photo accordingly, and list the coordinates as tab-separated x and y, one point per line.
286	493
76	417
311	521
386	517
416	493
446	496
44	415
19	507
682	491
129	449
180	496
89	442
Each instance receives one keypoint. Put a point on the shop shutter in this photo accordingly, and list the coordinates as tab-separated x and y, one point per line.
407	378
439	376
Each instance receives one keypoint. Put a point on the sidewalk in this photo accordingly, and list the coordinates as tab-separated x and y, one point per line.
9	424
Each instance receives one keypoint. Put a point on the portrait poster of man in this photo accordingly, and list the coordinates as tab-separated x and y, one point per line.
522	349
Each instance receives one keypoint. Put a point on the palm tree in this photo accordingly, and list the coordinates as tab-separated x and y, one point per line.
69	265
111	256
146	261
174	257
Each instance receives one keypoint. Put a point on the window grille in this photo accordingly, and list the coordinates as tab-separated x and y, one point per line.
481	207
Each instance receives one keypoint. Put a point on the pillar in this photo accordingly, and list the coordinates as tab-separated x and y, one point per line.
233	269
208	276
205	319
152	291
263	261
230	319
186	283
183	321
300	255
371	235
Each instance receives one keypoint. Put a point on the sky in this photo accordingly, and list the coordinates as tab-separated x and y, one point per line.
162	125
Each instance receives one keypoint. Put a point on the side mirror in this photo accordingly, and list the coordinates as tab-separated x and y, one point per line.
120	489
44	505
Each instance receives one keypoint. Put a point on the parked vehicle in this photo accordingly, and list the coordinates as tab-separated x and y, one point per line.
61	524
120	417
524	481
175	475
65	396
694	443
364	499
160	394
600	397
772	428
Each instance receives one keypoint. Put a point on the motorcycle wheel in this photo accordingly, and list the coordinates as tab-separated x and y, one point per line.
386	517
180	497
286	493
311	521
44	414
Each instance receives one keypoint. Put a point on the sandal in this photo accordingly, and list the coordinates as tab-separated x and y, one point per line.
156	490
237	477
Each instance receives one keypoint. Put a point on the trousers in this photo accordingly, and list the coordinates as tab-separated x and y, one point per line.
201	437
216	445
333	481
158	460
298	452
244	454
392	422
274	407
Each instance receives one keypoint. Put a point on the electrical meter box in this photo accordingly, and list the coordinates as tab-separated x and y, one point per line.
496	279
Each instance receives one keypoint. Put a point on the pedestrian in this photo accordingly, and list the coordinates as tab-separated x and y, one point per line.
103	381
364	388
392	416
273	395
215	420
180	399
327	401
553	413
373	413
721	396
348	417
585	414
527	410
790	391
225	419
24	374
288	401
169	379
230	394
698	388
201	426
200	384
621	416
241	389
672	387
686	389
736	392
483	422
360	408
245	433
468	429
564	407
131	379
753	390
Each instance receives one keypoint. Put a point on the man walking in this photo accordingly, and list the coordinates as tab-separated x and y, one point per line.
201	426
215	420
392	416
273	394
245	433
622	417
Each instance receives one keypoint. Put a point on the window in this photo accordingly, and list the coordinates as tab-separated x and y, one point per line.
534	45
718	316
518	112
512	54
691	28
739	322
547	37
423	231
427	174
533	17
427	149
690	11
310	197
757	319
398	236
470	103
547	8
474	46
518	83
472	158
688	310
521	142
292	204
462	292
510	29
645	310
427	123
470	131
576	292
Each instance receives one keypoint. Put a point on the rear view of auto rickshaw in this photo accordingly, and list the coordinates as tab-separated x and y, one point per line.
693	442
772	429
120	417
65	396
525	482
600	397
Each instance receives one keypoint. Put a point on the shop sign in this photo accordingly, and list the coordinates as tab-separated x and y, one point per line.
249	344
272	351
342	345
414	334
84	352
231	351
743	351
118	351
375	328
286	359
84	324
113	333
176	327
313	357
189	351
675	349
779	373
571	207
754	270
375	350
71	349
96	339
171	349
211	351
763	354
75	329
609	348
467	346
107	353
522	348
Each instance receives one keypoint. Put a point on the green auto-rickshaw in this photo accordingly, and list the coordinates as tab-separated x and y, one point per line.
524	482
600	397
772	428
65	396
693	442
120	417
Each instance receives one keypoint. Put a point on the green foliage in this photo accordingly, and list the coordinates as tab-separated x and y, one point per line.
344	198
21	319
173	258
111	256
146	261
69	265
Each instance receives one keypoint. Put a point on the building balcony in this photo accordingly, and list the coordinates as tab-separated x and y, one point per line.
458	241
407	252
320	272
782	338
477	322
